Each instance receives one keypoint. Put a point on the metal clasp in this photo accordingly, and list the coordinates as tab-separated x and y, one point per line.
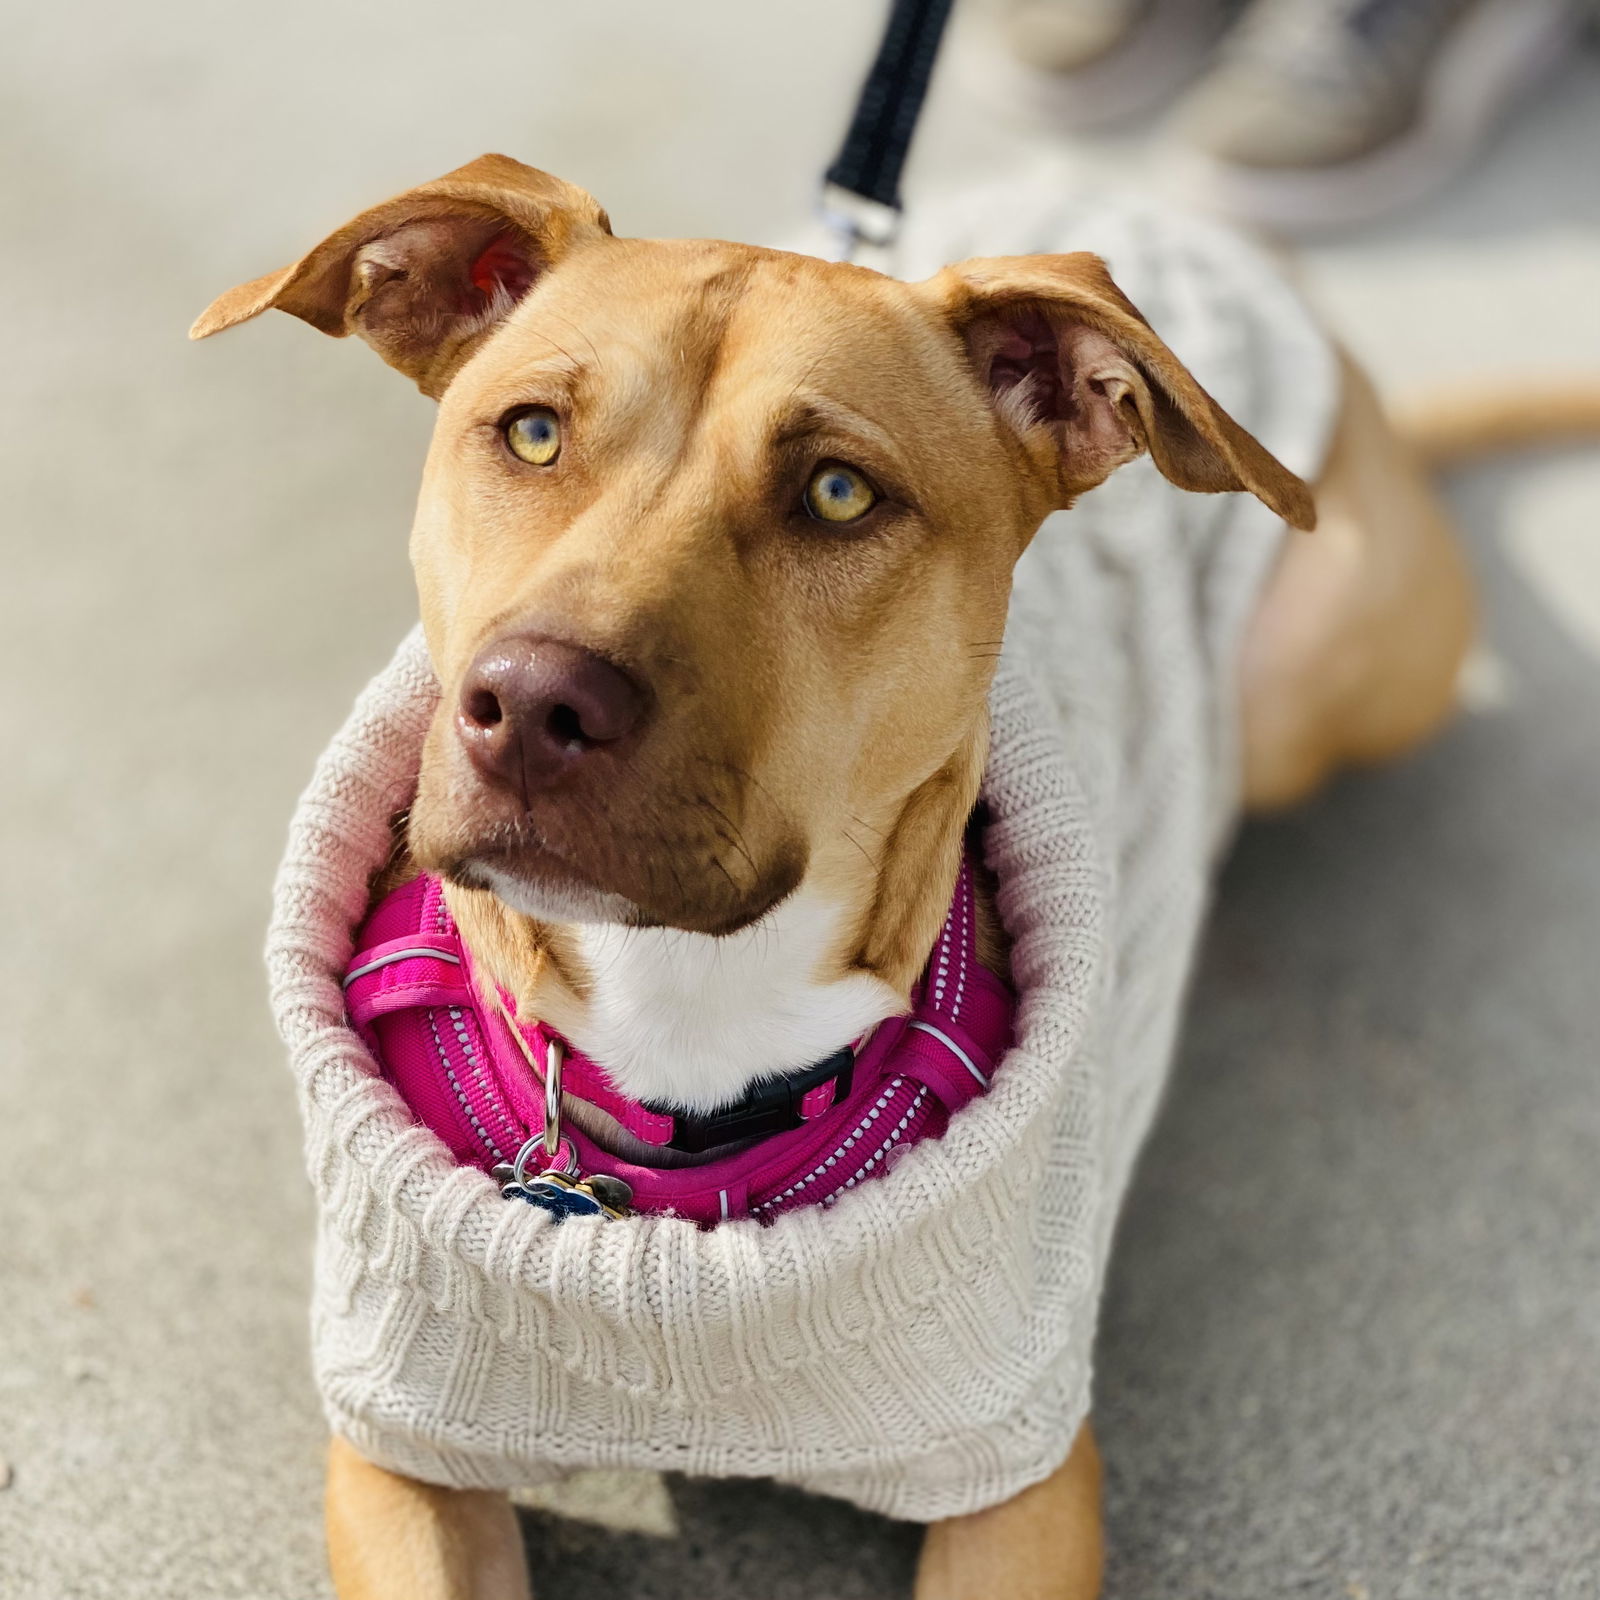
864	230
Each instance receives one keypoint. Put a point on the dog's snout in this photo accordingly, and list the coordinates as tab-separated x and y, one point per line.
533	708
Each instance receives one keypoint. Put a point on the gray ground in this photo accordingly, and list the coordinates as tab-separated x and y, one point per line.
1352	1345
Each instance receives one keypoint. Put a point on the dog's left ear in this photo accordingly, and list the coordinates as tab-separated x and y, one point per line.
426	276
1078	375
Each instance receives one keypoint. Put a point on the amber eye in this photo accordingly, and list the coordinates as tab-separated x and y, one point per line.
838	493
535	436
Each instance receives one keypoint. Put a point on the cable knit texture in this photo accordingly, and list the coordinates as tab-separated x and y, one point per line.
923	1347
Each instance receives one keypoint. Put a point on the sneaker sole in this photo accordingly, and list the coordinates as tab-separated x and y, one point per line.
1493	56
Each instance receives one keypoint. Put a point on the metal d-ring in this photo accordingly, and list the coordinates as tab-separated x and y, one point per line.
555	1055
548	1143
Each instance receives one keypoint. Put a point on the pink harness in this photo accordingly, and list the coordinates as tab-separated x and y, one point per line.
409	992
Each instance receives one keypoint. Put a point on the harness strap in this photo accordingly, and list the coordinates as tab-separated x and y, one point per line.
473	1072
417	969
861	190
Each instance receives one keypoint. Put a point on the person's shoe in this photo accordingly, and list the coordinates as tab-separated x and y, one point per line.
1078	63
1068	35
1327	112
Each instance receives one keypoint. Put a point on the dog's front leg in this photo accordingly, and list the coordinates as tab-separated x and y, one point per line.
1045	1544
392	1538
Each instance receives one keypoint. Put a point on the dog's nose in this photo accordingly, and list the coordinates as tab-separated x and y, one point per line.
532	708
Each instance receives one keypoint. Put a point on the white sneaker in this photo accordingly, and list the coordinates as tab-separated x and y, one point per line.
1079	63
1069	35
1328	112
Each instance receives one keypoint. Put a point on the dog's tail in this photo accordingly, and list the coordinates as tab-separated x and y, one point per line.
1448	427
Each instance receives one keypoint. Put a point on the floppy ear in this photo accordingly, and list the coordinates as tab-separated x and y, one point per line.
1082	380
425	276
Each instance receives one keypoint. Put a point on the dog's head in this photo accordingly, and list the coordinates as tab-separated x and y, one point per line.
714	543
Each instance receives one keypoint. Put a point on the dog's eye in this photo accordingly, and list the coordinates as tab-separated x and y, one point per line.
534	435
838	493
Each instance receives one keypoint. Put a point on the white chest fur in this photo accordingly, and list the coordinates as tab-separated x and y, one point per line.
690	1021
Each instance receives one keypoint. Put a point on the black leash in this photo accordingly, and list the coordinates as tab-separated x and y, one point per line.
861	190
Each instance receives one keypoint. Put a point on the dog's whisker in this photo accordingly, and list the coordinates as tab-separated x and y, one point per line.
863	823
734	836
866	855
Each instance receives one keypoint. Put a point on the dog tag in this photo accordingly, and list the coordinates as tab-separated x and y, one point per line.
612	1193
564	1196
558	1189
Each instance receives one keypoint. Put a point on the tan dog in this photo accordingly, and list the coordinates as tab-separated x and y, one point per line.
691	513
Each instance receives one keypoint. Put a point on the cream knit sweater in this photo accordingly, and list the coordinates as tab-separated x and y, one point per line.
923	1347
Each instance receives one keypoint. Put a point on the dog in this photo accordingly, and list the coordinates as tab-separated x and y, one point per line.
691	513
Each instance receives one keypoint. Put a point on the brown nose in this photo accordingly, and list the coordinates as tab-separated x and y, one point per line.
531	709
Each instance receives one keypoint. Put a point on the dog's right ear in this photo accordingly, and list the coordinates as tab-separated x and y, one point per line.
423	278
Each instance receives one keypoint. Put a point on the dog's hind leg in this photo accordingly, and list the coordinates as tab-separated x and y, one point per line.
1353	653
392	1538
1043	1544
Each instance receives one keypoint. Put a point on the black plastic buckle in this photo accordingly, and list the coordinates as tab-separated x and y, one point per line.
770	1107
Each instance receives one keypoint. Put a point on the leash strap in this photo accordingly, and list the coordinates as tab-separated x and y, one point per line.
861	190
